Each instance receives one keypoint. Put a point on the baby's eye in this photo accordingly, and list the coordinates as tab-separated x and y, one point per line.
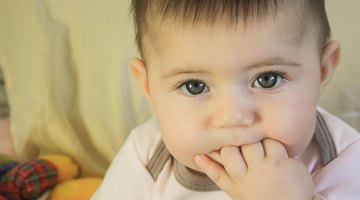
268	80
194	87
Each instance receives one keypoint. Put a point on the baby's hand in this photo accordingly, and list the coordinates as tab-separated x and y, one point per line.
261	170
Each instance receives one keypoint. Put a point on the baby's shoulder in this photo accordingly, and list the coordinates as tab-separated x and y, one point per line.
340	178
145	138
342	134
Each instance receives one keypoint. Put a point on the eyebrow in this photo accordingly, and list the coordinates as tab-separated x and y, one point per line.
266	62
274	61
183	70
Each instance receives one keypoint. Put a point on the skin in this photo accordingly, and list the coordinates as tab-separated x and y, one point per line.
239	133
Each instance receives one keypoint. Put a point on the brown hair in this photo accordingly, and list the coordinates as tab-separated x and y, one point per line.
146	12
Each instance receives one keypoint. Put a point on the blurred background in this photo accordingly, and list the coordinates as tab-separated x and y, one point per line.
342	95
68	85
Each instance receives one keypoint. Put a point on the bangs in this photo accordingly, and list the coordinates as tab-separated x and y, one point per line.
210	11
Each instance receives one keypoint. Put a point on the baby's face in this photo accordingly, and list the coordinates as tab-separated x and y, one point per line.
216	87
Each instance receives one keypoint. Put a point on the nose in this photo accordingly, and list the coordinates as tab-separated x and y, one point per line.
232	110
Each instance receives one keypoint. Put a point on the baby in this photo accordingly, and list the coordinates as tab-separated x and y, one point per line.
235	85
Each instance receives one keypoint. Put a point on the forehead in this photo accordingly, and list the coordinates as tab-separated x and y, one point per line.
287	26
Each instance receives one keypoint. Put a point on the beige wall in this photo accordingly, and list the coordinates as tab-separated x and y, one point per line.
67	76
70	90
342	96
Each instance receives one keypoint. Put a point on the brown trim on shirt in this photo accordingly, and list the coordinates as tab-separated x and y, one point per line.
159	159
324	140
193	180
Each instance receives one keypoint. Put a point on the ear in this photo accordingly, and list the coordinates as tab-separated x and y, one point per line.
139	70
329	60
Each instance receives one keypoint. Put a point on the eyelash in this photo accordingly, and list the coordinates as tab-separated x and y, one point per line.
182	83
280	74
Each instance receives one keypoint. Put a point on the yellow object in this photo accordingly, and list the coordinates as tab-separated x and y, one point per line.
79	189
67	168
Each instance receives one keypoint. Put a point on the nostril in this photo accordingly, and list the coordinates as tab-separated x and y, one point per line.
233	110
236	121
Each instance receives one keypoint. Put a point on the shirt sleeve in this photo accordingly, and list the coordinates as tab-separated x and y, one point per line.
340	179
127	177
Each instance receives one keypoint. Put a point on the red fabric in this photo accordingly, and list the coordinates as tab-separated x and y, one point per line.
28	180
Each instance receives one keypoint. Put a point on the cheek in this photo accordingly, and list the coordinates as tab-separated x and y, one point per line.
183	140
291	118
179	128
292	124
182	129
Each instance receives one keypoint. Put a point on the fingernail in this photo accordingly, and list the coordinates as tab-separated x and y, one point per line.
199	157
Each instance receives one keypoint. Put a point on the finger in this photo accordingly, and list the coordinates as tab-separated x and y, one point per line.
233	162
253	153
275	149
215	155
214	171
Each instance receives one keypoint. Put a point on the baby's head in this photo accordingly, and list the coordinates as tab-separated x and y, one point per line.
149	15
229	73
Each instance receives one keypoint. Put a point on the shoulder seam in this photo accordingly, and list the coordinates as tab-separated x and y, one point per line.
158	160
325	141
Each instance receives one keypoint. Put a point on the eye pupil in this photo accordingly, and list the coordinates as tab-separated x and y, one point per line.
267	80
195	87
